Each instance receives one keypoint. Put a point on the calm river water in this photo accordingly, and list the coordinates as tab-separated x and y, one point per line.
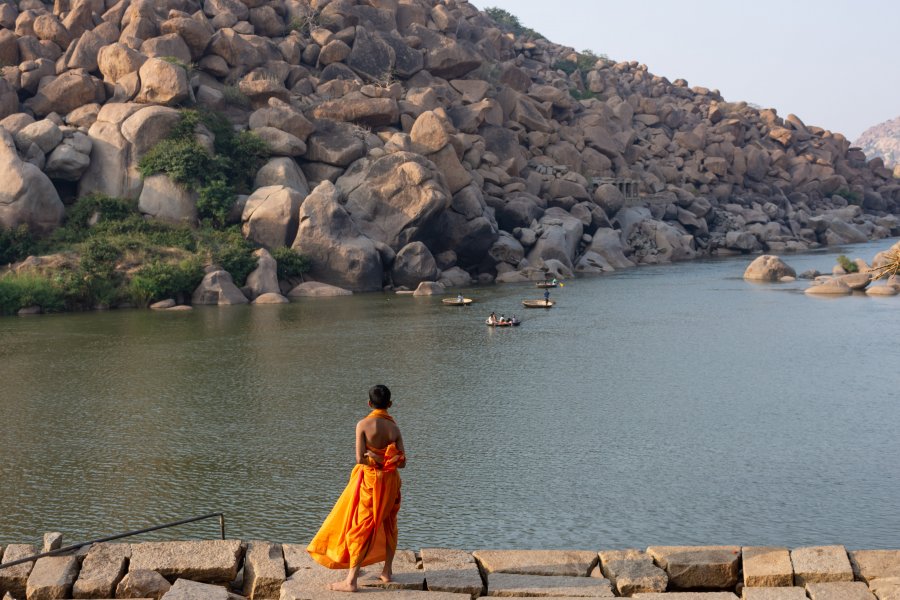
675	404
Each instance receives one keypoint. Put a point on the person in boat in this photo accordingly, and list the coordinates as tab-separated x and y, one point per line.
554	281
546	296
362	527
459	298
492	319
503	318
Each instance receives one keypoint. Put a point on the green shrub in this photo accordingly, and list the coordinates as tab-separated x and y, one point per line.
214	201
566	66
100	209
290	263
581	95
184	160
16	244
233	96
228	249
157	280
848	265
510	22
21	291
849	195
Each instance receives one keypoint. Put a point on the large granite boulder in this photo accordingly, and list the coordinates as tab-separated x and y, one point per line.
316	289
339	252
394	199
217	288
102	570
264	278
560	238
768	268
270	216
65	93
282	170
164	200
27	195
413	264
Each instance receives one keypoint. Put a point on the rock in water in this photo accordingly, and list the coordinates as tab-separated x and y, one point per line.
768	268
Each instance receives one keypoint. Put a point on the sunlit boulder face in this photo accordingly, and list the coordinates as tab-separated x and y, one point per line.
395	199
340	254
27	197
768	268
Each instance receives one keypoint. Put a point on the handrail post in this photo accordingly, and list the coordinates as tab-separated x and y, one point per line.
222	524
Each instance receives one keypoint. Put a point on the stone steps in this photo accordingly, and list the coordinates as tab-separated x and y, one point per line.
232	570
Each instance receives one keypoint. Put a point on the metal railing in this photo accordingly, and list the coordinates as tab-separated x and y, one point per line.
116	537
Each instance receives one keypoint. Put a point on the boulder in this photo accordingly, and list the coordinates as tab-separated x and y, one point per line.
507	249
339	253
370	56
283	116
455	277
44	133
607	243
27	195
856	281
264	278
270	216
632	572
768	268
13	580
831	287
413	264
372	112
767	567
118	60
271	298
429	288
568	563
162	83
52	578
394	199
65	93
142	583
882	290
560	238
821	564
315	289
102	570
334	143
264	570
164	200
869	565
217	288
196	33
283	171
66	163
699	567
429	133
281	143
148	126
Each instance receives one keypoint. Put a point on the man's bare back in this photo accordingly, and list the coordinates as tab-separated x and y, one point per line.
376	433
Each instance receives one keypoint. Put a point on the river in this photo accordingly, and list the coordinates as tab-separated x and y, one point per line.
673	404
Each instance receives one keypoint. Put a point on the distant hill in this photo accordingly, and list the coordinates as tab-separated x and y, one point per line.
882	140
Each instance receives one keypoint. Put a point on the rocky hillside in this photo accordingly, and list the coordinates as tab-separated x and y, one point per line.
410	141
882	141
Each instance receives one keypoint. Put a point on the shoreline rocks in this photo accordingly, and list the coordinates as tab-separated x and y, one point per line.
208	570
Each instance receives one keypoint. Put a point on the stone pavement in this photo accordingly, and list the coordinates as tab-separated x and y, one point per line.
261	570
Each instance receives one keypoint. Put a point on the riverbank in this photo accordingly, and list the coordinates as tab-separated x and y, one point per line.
217	570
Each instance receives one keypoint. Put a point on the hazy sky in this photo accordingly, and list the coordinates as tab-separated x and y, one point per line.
833	63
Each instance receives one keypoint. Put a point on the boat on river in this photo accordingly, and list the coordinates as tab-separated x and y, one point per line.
547	284
457	301
538	303
513	322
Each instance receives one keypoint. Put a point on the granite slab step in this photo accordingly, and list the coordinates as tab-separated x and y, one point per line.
839	590
699	567
821	564
767	566
449	570
509	585
774	593
570	563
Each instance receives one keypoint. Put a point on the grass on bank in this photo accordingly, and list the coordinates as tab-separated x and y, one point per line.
107	254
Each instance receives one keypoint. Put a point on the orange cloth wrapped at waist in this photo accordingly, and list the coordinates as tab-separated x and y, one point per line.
363	522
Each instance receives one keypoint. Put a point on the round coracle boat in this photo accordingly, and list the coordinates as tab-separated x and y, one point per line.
457	301
538	303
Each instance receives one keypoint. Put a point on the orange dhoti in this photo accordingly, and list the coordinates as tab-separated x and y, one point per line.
363	523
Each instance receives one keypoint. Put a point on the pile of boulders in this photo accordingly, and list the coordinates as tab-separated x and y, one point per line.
416	140
770	268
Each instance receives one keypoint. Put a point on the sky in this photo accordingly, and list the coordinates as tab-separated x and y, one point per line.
833	63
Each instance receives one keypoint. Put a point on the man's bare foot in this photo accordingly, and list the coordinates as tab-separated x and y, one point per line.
386	577
342	586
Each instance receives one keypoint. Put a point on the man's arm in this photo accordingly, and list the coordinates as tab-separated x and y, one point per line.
361	456
400	447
